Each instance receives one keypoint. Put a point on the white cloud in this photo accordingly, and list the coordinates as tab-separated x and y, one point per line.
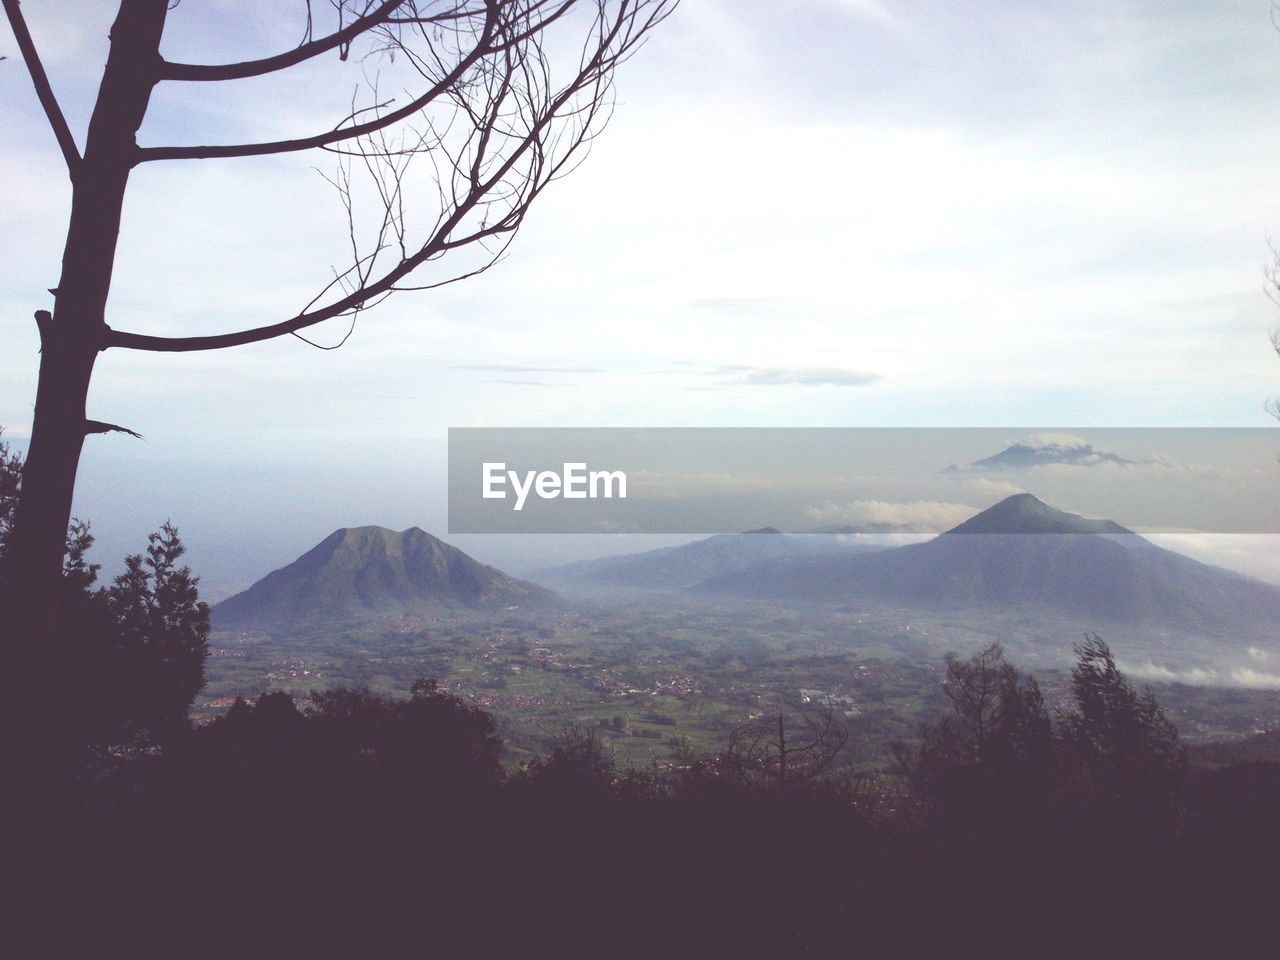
525	368
1203	677
1248	677
984	487
1044	450
802	376
1255	554
1051	441
1161	674
875	10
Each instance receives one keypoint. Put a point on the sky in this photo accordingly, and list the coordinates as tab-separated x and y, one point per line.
844	213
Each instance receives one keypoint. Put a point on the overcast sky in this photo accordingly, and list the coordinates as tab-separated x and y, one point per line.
849	213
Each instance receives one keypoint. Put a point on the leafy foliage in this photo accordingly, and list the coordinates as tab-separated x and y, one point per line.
1124	752
578	767
361	820
989	760
10	487
128	659
995	761
162	632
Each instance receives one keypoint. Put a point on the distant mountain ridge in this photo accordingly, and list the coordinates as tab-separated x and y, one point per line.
361	572
1023	552
1045	450
684	566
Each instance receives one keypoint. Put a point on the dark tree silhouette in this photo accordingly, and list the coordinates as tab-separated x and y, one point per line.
10	484
165	626
355	824
579	766
989	760
125	663
782	754
974	688
432	743
494	114
1125	755
1114	765
430	747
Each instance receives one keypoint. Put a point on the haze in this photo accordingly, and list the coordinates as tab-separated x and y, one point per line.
862	213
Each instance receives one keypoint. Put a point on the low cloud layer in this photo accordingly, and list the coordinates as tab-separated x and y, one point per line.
803	376
524	368
1047	449
530	383
1202	677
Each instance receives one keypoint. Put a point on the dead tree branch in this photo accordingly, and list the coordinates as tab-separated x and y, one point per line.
493	124
44	91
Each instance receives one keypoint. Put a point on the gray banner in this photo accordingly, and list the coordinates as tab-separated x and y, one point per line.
856	480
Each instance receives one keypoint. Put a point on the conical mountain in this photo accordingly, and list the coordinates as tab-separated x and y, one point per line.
1023	552
361	572
1024	513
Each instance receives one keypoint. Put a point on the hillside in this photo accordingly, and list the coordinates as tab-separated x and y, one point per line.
677	568
1023	552
362	572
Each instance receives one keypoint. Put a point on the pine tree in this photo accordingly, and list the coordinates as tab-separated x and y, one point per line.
163	629
1125	753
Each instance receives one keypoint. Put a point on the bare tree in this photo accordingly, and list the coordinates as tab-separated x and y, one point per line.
989	758
505	97
974	688
765	749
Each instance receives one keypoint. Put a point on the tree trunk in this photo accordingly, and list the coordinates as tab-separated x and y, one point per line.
782	757
70	339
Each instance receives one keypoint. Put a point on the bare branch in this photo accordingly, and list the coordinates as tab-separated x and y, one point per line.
40	80
505	132
768	749
340	133
97	426
256	68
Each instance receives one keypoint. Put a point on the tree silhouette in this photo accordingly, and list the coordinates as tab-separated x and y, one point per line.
578	767
989	760
10	485
493	114
769	750
125	662
1114	765
1126	756
165	626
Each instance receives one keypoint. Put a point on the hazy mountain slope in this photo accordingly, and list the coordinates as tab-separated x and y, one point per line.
676	568
1026	514
371	571
1023	552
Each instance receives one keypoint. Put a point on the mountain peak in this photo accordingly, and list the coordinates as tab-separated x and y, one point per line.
372	533
1027	513
358	572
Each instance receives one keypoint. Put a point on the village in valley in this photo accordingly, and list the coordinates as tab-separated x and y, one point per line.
656	680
